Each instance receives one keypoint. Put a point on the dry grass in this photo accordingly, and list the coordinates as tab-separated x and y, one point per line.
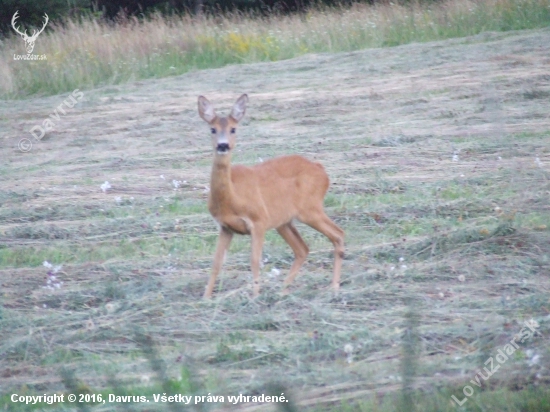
83	55
472	231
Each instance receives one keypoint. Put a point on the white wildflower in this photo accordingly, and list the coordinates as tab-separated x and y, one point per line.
105	186
534	360
348	349
532	323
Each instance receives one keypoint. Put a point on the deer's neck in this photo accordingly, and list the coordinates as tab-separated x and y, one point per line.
221	186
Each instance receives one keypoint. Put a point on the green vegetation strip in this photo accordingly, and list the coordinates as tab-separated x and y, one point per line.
87	53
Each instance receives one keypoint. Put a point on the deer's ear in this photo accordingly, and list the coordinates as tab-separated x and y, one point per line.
239	108
206	110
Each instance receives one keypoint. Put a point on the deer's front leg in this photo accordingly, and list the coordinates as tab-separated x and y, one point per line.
223	244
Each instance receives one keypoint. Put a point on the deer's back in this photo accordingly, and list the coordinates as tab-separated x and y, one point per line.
282	186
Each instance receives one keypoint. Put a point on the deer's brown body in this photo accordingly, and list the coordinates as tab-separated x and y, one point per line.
252	200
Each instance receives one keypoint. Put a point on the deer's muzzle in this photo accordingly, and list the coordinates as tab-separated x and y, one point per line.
222	148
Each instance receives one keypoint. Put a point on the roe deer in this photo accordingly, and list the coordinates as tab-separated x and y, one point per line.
269	195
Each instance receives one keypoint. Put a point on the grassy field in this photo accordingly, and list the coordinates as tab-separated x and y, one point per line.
438	155
85	54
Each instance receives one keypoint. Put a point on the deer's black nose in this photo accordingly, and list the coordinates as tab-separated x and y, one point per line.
222	147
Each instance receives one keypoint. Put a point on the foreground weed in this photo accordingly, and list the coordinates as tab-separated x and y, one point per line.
410	348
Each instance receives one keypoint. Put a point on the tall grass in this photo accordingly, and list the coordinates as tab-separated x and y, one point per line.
89	53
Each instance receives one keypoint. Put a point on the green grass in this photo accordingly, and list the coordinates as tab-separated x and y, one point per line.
180	245
237	348
501	400
89	53
444	259
121	232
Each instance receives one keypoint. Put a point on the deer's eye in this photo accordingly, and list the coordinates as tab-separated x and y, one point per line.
233	130
213	131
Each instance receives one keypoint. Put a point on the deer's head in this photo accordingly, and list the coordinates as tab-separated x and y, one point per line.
223	129
29	40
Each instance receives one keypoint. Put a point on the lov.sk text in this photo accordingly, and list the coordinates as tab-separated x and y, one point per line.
502	356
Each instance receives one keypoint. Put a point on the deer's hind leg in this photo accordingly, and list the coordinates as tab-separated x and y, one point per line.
289	233
322	223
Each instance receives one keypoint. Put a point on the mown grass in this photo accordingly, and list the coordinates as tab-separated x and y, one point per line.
179	226
463	244
429	400
84	54
237	347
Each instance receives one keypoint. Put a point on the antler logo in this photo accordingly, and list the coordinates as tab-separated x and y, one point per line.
29	40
